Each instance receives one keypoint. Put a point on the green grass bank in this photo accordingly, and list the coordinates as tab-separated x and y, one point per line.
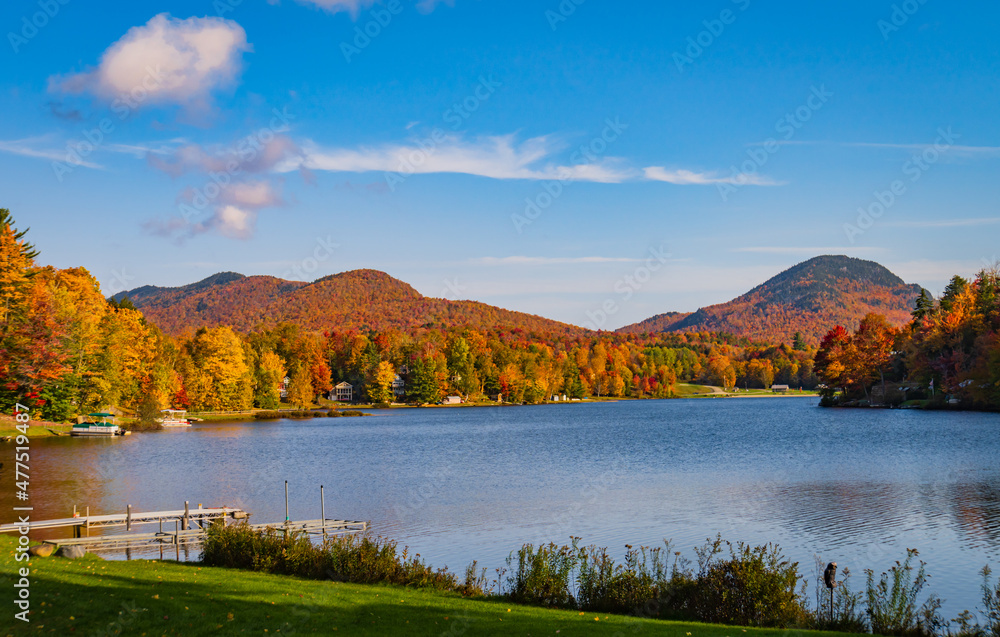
91	596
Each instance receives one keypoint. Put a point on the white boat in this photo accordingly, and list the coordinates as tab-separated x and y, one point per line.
101	424
174	418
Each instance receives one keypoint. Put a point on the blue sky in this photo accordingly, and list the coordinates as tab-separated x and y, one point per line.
559	158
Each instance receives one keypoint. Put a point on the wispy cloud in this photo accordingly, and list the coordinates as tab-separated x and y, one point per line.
524	260
945	223
983	152
498	157
30	147
810	250
354	7
682	177
495	157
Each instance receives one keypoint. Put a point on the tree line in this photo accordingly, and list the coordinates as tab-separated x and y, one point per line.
950	351
66	349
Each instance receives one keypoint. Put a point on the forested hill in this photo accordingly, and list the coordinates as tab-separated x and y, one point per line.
807	298
359	299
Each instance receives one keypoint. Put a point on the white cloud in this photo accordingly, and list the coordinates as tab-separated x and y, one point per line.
354	7
812	251
233	212
166	61
524	260
983	152
29	147
945	223
689	178
234	222
499	157
251	155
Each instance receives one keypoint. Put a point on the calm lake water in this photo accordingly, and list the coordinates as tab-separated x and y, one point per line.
853	486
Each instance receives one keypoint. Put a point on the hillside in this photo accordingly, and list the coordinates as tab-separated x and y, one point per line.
810	297
360	299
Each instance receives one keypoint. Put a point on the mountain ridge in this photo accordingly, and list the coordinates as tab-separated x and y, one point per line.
362	299
810	297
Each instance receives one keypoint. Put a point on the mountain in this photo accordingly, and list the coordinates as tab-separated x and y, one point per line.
360	299
810	297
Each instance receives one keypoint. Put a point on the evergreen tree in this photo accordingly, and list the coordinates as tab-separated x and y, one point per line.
955	287
799	343
423	386
924	306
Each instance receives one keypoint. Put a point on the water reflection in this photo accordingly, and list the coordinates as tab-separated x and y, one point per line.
474	483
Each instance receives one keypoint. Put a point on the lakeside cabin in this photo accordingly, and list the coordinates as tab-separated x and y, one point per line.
342	393
452	400
398	387
779	389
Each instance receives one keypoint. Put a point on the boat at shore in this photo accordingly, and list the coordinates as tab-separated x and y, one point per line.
174	418
100	424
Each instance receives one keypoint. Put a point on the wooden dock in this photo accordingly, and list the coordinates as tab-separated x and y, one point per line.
194	536
190	527
183	518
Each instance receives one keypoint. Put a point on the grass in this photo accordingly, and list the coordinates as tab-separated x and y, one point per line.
148	597
688	390
685	390
47	430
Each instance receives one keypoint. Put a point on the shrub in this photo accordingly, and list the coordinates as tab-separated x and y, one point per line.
360	559
541	576
892	602
333	413
754	587
644	584
991	604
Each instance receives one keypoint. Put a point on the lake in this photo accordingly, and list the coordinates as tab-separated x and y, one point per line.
854	486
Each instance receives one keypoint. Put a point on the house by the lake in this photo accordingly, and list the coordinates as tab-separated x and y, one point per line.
344	393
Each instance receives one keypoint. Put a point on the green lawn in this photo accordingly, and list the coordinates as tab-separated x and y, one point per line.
8	430
98	597
685	390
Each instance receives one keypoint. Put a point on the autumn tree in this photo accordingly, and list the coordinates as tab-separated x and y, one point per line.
220	379
267	382
300	389
380	390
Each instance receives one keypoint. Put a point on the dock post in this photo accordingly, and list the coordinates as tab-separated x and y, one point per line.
187	512
286	502
128	517
88	521
322	509
177	546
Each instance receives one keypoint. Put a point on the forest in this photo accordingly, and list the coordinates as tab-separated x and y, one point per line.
947	356
65	349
